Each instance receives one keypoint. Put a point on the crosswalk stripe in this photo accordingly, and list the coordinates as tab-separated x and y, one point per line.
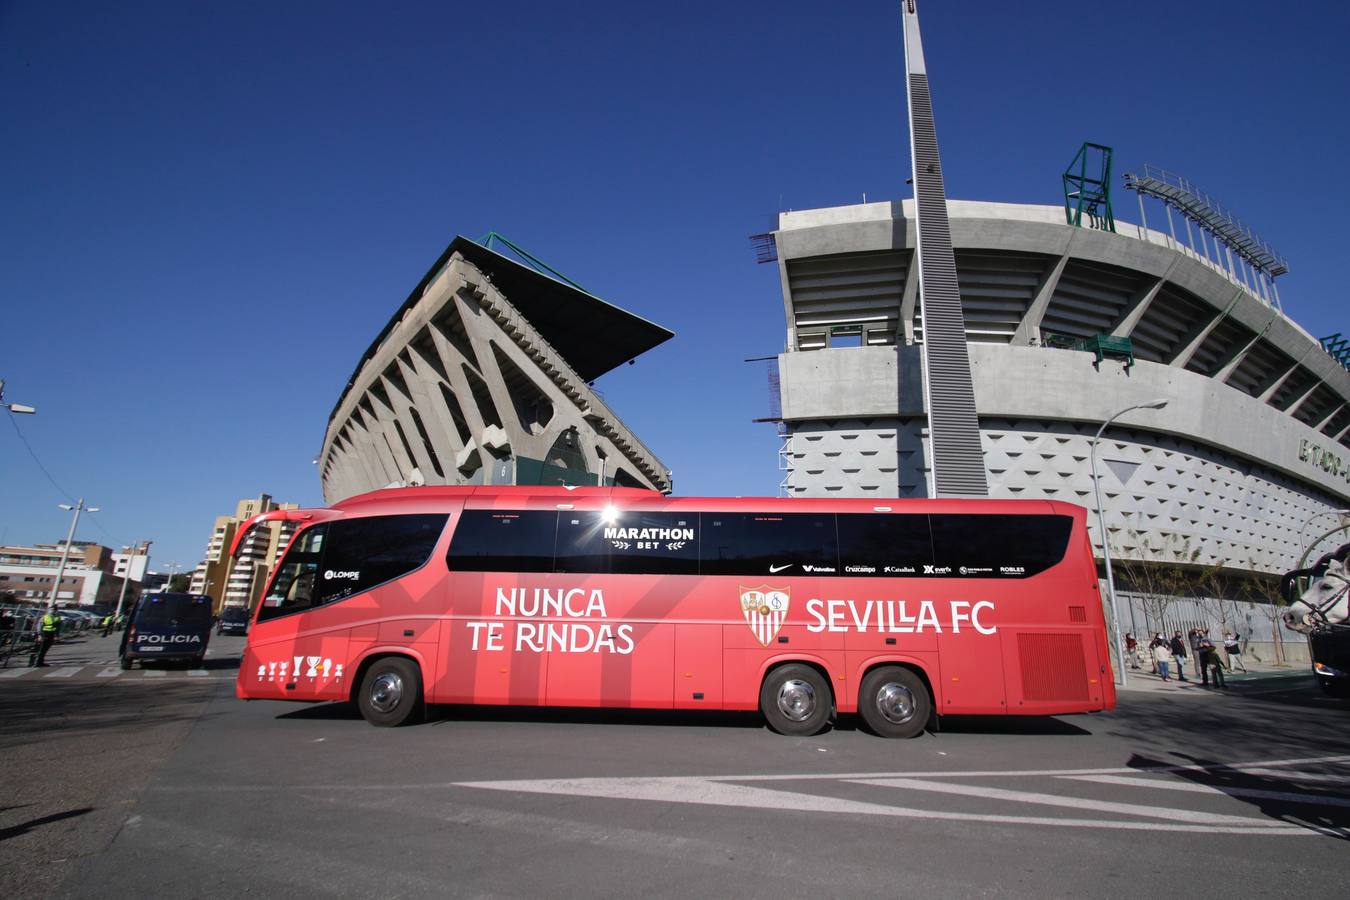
64	672
14	673
154	673
110	672
198	673
991	793
1192	787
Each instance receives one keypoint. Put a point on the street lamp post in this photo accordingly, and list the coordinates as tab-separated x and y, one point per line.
13	407
65	555
121	596
1106	541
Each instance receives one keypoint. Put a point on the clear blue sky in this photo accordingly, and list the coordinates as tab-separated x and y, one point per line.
209	211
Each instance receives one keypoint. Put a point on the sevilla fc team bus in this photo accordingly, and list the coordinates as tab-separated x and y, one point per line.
898	610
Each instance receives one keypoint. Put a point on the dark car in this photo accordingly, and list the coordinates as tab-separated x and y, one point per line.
233	620
167	626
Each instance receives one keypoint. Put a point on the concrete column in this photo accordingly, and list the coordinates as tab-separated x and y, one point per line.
1030	326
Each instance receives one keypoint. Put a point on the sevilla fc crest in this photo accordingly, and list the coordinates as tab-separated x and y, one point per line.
765	608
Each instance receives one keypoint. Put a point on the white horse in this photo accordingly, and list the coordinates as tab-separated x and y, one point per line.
1326	602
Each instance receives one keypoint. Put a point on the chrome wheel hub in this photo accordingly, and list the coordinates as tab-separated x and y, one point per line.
386	692
796	700
895	702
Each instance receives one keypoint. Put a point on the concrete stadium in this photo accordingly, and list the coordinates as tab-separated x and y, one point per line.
1252	445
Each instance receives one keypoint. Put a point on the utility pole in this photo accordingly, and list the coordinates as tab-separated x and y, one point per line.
121	595
65	556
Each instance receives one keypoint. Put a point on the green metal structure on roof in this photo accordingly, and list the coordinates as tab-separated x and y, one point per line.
1087	188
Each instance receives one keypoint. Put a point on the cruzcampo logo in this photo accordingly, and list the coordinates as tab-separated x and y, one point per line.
764	609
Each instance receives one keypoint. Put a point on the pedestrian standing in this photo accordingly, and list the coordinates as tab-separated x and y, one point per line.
1215	663
1203	651
1162	656
1193	638
1178	647
1132	649
1232	645
48	629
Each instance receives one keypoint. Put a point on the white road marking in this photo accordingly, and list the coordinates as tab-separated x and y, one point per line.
719	793
154	673
14	673
1192	787
110	672
1022	773
63	672
1339	779
985	792
198	673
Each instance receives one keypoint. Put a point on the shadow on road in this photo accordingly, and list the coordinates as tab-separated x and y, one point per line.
25	827
637	717
35	711
1291	800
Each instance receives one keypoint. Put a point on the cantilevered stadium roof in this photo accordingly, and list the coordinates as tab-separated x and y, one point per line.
592	335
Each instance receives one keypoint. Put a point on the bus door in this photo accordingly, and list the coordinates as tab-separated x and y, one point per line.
290	654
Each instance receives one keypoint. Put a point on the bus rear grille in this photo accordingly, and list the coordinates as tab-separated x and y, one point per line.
1052	667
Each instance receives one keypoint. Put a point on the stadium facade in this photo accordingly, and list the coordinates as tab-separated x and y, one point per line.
483	376
1252	445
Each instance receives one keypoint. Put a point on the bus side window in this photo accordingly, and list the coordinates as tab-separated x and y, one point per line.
782	544
627	543
367	552
995	546
492	540
884	544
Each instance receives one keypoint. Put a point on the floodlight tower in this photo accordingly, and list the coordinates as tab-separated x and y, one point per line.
955	455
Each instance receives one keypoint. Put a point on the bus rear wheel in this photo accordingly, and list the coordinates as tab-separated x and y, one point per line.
894	702
795	700
391	692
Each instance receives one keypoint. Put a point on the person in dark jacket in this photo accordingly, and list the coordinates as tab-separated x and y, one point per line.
1178	647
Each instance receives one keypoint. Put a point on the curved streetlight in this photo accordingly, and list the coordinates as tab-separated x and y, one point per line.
1106	540
1304	530
65	555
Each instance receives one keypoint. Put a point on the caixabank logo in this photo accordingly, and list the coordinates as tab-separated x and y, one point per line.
765	608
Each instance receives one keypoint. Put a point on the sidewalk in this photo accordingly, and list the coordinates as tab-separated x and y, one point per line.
1144	680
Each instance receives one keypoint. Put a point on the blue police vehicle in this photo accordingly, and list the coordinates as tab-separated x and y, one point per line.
173	627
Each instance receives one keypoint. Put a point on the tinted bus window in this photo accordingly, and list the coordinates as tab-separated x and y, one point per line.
768	544
489	540
293	588
364	553
884	545
992	546
631	543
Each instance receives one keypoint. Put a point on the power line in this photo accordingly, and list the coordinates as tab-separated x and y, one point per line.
60	490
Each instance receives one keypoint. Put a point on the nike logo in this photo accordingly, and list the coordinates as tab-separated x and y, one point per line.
774	570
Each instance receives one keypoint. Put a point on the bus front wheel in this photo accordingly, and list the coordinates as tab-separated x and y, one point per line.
894	702
391	692
795	700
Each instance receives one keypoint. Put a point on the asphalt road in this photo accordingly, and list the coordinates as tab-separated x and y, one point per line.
165	785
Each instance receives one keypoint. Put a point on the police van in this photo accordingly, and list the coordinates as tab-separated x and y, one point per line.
169	627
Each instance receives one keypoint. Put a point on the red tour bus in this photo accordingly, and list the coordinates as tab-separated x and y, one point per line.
620	597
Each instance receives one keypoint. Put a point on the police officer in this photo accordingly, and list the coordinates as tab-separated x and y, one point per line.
48	628
107	624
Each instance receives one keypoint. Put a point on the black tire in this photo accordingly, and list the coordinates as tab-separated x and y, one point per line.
894	702
796	700
125	662
391	692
